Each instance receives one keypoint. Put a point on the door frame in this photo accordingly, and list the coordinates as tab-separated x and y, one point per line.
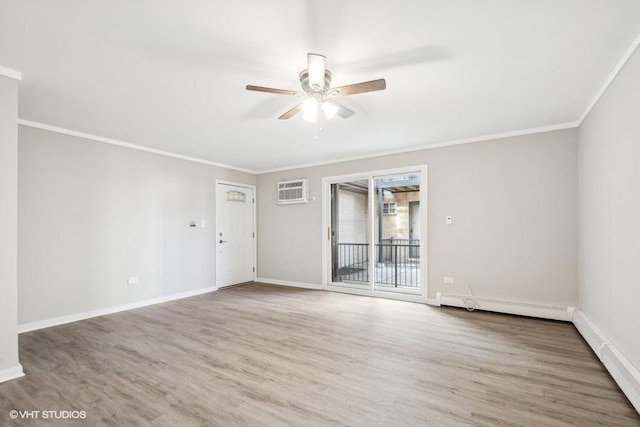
327	284
254	225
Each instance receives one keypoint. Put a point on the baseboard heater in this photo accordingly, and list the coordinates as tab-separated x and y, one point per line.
472	302
621	369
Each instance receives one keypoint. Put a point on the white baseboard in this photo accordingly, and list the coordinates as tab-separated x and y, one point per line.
41	324
288	283
11	373
621	369
543	311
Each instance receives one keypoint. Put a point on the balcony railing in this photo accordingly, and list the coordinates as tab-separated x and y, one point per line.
353	262
387	251
397	262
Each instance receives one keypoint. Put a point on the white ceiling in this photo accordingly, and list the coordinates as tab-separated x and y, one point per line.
171	75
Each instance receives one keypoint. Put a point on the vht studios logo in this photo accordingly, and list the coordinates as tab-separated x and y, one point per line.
48	415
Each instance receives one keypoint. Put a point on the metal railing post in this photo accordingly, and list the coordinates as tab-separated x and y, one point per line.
395	275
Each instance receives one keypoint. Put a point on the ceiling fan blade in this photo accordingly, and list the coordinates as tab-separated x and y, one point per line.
292	112
357	88
316	65
343	111
272	90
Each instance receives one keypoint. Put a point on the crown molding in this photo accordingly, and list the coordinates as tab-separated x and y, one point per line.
530	131
616	70
63	131
8	72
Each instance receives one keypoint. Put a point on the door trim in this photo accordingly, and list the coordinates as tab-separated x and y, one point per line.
326	223
255	225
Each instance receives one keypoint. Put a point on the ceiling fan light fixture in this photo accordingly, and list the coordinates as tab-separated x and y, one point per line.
329	110
310	110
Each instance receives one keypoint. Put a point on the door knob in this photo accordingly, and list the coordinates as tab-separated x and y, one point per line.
223	241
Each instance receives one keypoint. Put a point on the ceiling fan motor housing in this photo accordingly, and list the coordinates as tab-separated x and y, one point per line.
304	81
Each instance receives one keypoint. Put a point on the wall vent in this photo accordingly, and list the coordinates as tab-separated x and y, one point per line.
290	192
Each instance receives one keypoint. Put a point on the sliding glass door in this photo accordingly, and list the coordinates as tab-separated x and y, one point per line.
397	249
375	229
350	234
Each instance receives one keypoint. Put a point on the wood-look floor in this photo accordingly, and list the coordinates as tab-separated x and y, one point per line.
264	355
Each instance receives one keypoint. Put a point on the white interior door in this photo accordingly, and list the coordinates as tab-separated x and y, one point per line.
234	234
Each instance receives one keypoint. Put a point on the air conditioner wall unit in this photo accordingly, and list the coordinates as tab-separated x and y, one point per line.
294	191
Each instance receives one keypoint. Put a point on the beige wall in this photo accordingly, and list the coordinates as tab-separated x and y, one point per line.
94	214
8	226
514	203
609	170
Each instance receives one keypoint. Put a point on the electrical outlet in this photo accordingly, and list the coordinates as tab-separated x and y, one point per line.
448	279
132	280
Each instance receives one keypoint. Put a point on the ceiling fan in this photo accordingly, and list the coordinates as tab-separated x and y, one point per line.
316	87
